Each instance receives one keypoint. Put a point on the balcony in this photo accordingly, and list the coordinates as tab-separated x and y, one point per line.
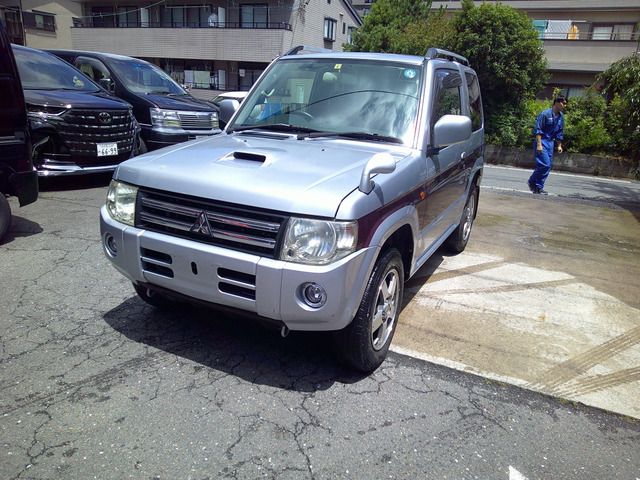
228	42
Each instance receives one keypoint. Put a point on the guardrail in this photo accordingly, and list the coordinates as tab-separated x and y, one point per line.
597	36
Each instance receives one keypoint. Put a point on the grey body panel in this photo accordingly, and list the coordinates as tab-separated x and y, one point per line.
309	177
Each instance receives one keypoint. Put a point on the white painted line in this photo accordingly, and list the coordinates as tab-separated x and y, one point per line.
505	189
515	474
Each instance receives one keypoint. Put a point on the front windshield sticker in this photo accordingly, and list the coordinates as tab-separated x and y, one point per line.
337	66
409	73
77	82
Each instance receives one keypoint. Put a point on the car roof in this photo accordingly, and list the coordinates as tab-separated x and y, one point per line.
94	54
386	57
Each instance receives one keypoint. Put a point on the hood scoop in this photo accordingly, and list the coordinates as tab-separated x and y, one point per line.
254	157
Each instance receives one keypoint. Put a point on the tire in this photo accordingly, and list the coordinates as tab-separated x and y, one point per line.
153	297
363	345
457	241
5	215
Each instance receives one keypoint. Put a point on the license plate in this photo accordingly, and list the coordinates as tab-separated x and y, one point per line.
107	149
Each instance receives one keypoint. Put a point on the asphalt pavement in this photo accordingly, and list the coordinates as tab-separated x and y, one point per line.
95	384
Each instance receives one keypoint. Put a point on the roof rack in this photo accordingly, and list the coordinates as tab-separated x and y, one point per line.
439	53
307	49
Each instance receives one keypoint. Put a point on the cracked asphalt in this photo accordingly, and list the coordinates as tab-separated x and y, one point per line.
95	384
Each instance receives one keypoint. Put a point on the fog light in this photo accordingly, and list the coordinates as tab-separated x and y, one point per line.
313	295
111	245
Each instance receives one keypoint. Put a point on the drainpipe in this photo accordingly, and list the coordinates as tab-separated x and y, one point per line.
24	30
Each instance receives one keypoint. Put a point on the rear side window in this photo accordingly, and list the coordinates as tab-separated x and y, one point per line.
448	98
475	101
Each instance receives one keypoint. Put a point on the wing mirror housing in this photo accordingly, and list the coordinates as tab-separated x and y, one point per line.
227	108
379	163
450	129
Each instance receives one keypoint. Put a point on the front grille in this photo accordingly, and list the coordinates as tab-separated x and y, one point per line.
231	226
196	120
81	130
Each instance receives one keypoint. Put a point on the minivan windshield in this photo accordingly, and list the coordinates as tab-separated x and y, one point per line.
143	77
43	71
355	98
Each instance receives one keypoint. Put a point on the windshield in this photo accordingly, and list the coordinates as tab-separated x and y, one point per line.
336	96
143	77
42	71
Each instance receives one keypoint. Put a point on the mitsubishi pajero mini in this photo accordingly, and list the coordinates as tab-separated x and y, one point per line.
337	177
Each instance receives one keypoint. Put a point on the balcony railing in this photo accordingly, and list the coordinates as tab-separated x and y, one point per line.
101	23
618	37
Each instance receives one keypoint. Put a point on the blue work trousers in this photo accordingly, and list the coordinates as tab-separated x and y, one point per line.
544	160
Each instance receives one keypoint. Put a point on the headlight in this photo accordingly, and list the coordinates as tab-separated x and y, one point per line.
165	118
318	242
121	202
39	114
171	119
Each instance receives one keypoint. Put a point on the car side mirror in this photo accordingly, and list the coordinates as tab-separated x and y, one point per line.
107	84
379	163
227	108
450	129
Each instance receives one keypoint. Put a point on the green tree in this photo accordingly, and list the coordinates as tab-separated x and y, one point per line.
401	26
622	87
503	47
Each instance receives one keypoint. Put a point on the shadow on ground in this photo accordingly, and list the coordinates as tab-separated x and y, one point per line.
303	361
74	182
20	227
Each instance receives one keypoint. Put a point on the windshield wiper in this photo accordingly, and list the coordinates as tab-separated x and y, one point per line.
374	137
278	127
157	92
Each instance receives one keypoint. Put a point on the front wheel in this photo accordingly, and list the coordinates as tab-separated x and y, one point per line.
5	215
459	238
364	343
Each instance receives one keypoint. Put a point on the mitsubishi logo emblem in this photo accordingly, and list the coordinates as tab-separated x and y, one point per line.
104	117
201	225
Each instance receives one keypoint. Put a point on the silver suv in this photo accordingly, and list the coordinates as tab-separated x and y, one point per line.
333	182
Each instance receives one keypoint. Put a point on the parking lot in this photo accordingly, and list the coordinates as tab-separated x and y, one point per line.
95	381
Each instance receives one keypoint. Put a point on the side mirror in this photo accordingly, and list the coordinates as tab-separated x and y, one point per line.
107	84
379	163
450	129
227	108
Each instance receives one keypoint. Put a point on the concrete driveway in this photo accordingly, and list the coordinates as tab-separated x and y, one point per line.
544	297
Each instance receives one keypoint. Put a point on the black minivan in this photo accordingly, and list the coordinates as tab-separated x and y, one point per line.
167	113
17	176
76	126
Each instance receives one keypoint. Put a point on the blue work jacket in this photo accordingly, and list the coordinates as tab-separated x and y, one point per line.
548	126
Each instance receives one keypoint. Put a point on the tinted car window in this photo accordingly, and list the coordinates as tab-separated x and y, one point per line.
42	71
475	102
143	77
448	99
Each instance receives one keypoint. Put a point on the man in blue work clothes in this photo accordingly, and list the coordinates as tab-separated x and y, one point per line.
548	130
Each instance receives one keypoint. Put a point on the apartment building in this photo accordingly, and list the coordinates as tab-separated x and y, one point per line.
581	38
218	44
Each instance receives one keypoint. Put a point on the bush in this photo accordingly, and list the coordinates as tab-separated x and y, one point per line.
585	130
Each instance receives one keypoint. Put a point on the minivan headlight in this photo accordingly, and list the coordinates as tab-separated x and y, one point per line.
318	242
121	202
171	119
165	118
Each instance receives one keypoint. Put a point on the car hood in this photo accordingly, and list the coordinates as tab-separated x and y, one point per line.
309	177
182	102
62	98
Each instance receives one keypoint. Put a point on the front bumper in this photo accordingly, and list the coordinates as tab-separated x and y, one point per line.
156	138
267	287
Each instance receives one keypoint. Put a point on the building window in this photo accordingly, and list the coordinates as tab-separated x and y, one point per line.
127	17
613	32
350	31
330	29
40	21
254	16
